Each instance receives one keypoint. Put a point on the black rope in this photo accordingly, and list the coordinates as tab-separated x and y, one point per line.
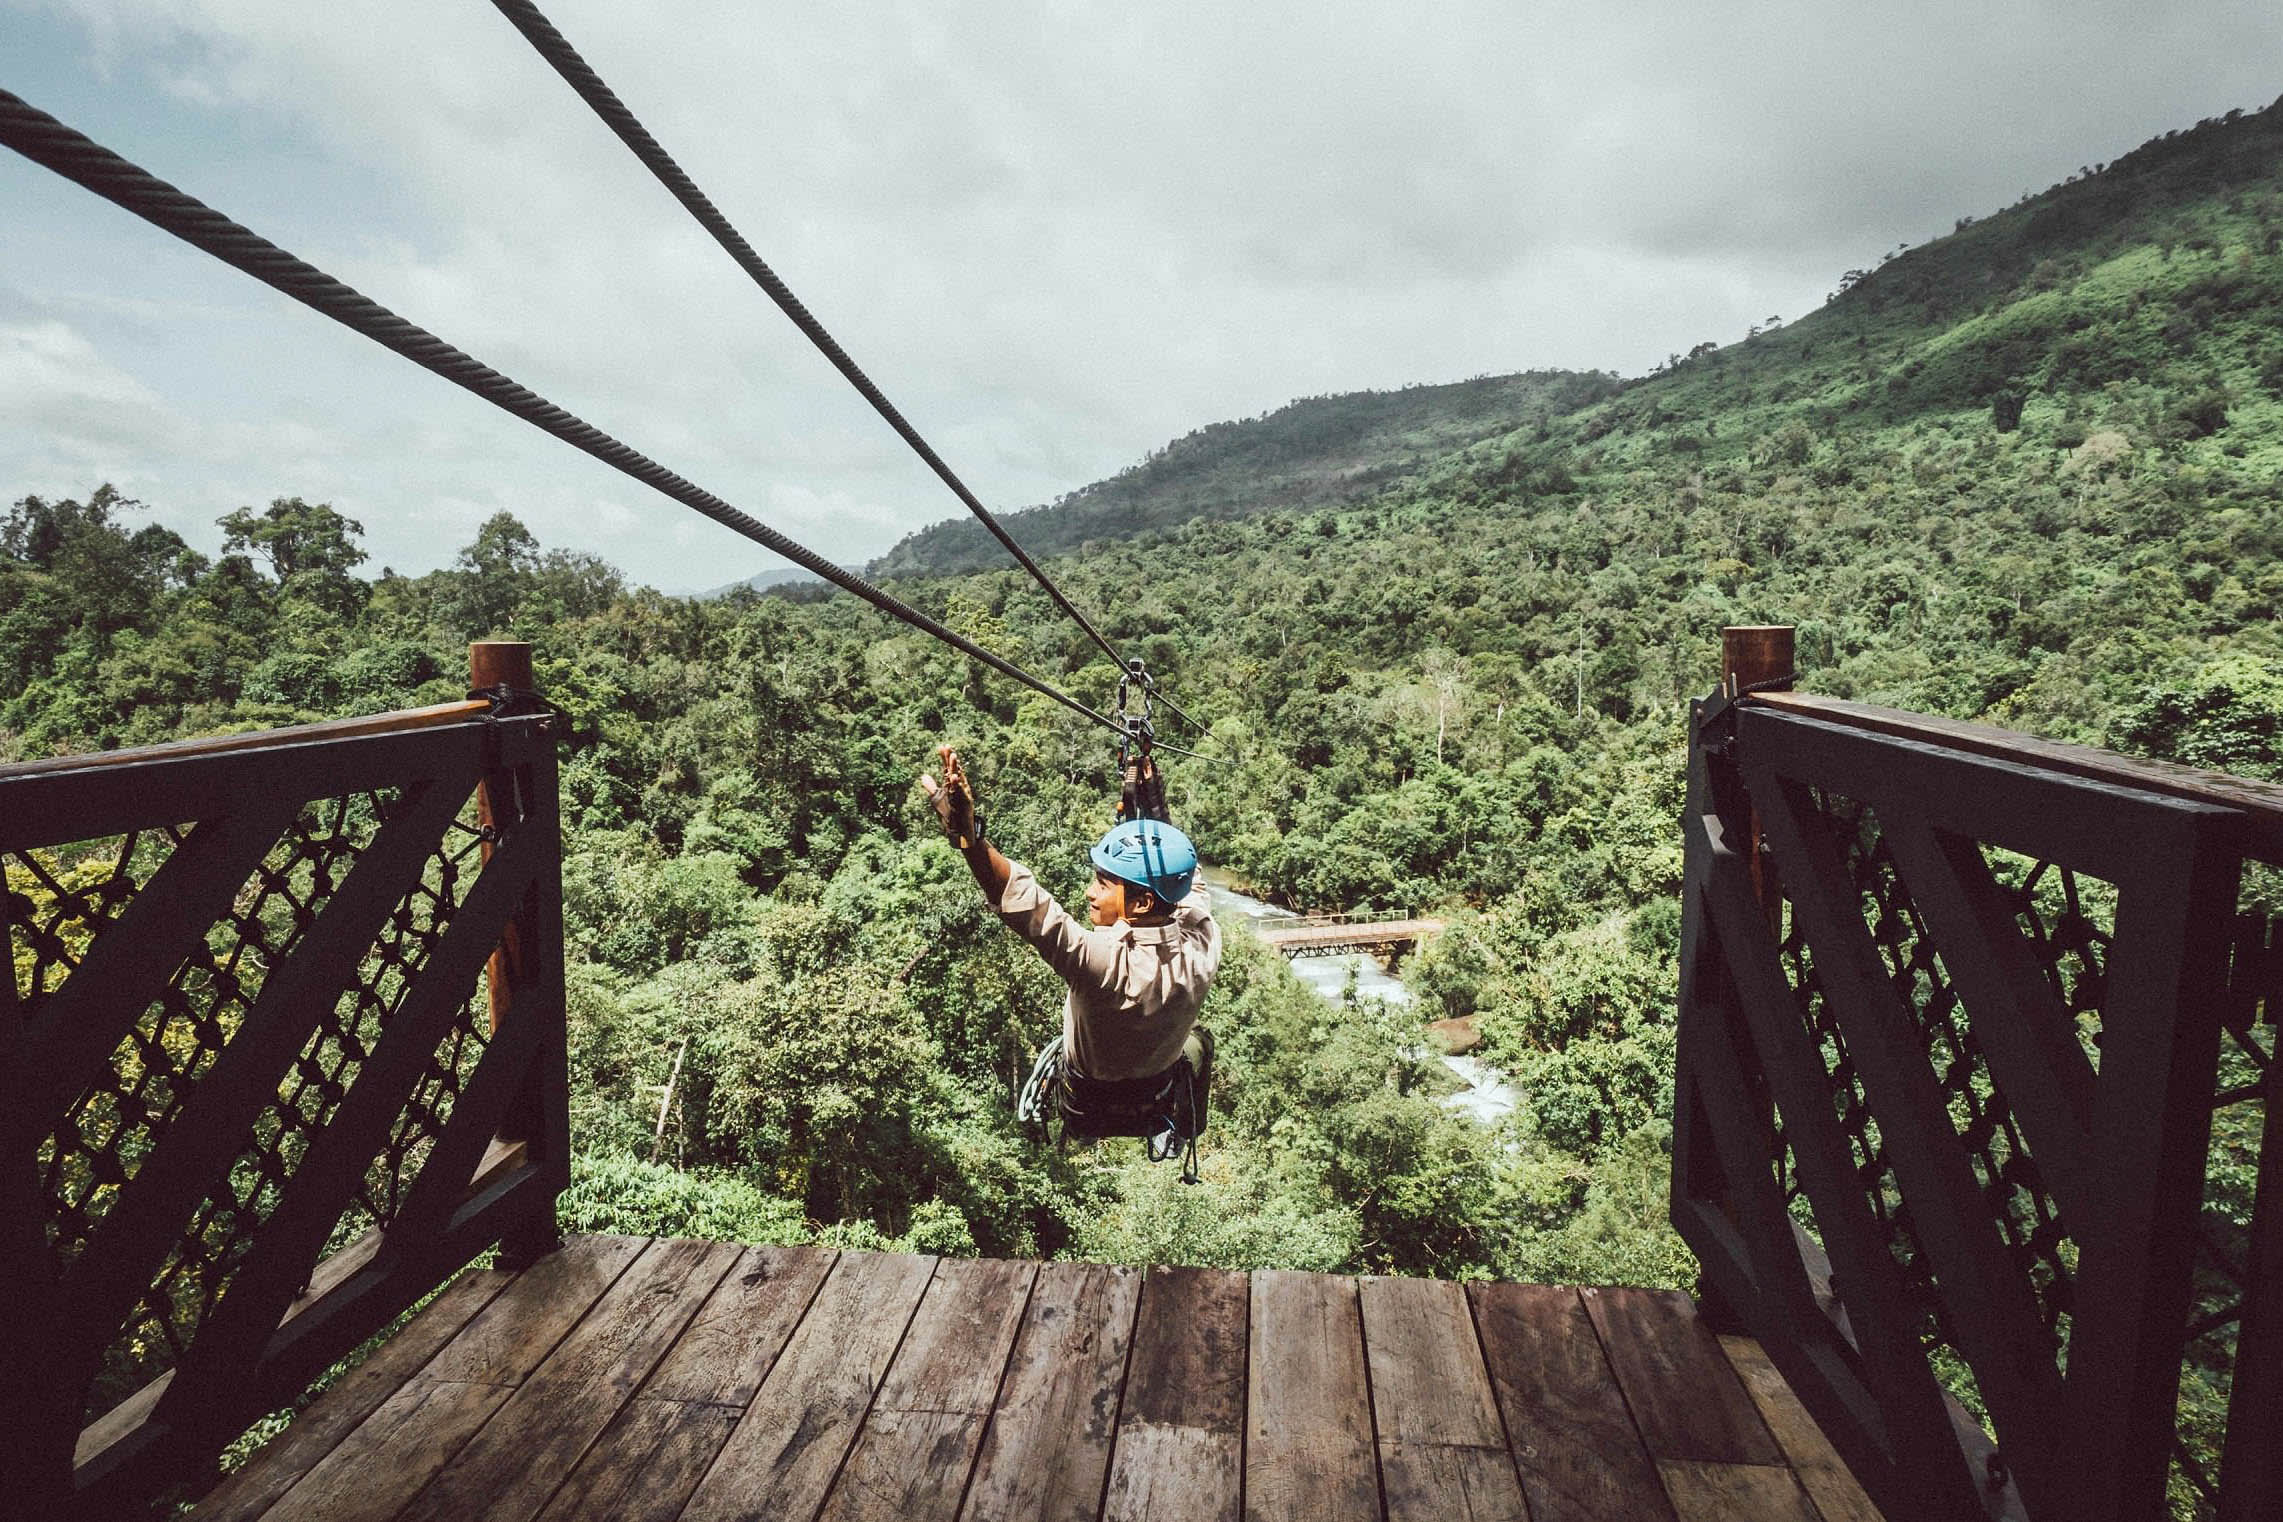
565	60
48	142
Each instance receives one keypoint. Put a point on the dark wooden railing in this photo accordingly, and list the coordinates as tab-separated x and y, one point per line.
1975	1036
256	1102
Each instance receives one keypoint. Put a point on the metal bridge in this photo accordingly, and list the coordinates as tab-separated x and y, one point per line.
1333	935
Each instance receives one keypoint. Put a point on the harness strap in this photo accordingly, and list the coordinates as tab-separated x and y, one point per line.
1162	1109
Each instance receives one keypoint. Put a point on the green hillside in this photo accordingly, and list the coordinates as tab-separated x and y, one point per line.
2138	300
1316	452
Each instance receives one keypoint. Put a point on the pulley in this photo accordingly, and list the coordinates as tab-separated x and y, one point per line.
1141	793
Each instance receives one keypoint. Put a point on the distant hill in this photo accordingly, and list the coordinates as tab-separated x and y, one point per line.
1319	451
766	581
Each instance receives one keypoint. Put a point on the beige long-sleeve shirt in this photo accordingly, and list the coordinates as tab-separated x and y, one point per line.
1134	989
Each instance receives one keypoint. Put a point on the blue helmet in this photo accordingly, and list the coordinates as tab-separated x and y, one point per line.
1148	854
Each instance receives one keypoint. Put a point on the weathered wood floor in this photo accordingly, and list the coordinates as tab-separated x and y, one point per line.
661	1380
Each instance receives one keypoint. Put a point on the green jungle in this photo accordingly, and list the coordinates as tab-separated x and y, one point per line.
1442	642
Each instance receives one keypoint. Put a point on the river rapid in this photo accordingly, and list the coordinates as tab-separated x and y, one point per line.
1486	1096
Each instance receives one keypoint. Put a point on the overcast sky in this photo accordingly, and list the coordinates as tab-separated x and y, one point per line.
1057	235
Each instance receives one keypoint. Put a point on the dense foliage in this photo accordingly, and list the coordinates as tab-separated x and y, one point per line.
1318	451
2029	473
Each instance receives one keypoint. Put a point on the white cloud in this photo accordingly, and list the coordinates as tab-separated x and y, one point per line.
1057	235
84	412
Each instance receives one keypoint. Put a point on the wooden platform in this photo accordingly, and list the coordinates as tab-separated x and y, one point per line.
659	1380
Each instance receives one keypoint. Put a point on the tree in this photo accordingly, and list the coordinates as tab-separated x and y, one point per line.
108	579
503	549
296	537
495	575
311	549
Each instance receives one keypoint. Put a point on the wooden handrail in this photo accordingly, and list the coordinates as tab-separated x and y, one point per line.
328	912
2260	802
300	734
1971	1010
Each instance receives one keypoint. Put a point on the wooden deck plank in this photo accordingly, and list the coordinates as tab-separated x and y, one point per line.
731	1346
1428	1382
1574	1443
393	1454
658	1381
1427	1482
646	1463
509	1337
781	1458
1686	1399
1309	1453
1442	1448
1179	1450
507	1472
907	1464
1821	1471
314	1433
388	1458
654	1452
1046	1452
1163	1472
957	1347
1188	1365
1707	1492
919	1442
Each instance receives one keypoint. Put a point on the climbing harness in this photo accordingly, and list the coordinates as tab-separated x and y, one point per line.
1166	1111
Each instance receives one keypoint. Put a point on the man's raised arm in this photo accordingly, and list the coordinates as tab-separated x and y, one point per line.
954	802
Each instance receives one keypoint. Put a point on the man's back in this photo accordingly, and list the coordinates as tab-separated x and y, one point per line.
1134	989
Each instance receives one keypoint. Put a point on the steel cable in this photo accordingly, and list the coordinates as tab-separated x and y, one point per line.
565	60
48	142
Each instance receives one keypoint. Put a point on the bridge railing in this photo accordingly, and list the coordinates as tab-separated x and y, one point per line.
1975	1042
258	1101
1330	921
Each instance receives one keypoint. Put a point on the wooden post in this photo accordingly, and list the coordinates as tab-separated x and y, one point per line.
1749	655
498	663
494	664
1752	654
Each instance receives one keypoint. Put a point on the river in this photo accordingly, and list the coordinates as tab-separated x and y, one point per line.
1485	1094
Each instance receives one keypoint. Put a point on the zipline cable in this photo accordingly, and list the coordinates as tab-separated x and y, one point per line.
549	42
581	77
49	143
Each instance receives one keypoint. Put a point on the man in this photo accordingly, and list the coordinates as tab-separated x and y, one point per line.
1139	974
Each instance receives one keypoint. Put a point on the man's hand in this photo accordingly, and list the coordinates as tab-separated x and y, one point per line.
954	800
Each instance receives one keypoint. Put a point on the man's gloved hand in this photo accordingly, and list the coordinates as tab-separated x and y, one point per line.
954	801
